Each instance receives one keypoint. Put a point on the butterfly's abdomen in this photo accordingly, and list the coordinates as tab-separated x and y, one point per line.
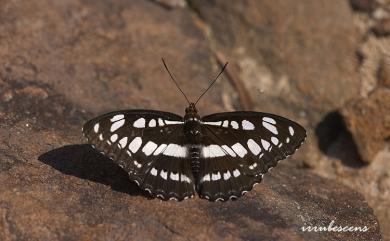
194	152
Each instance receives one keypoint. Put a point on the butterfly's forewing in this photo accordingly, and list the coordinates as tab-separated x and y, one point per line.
149	146
239	147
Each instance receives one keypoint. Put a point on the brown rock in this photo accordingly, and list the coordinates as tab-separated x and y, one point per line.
384	72
81	48
172	3
369	122
364	5
312	66
382	27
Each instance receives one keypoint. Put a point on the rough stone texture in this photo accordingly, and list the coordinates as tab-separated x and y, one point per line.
364	5
369	122
62	62
172	3
382	28
372	180
312	66
81	47
342	161
384	72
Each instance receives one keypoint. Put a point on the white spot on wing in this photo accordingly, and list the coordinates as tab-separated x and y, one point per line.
254	147
270	127
212	151
274	140
153	171
174	176
215	176
291	130
116	125
96	128
160	196
234	124
226	175
206	178
160	122
247	125
253	166
236	173
152	123
137	164
149	148
265	144
101	137
164	174
114	137
287	140
175	150
225	123
168	122
213	123
269	120
140	123
117	117
184	178
159	149
229	150
239	149
261	155
123	142
135	144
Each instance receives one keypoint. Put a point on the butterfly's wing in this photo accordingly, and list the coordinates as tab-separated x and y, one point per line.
149	146
239	147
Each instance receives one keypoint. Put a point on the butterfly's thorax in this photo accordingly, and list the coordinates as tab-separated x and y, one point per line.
193	137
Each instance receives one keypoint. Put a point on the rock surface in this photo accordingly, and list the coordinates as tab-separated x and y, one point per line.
278	52
81	47
382	28
369	122
64	62
364	5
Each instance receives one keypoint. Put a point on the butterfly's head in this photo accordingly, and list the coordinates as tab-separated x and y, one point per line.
191	112
191	109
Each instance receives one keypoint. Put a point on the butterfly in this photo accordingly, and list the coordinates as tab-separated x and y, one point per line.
220	156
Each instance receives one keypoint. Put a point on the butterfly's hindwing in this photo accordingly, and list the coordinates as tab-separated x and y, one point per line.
149	146
239	147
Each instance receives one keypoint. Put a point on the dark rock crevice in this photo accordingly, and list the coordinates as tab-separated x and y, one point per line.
335	141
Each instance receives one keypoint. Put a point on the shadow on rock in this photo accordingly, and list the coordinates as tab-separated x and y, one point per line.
84	162
336	141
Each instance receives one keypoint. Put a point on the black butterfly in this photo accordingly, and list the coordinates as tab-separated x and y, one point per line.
219	156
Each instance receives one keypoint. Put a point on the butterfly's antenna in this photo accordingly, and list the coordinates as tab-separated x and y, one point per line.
212	83
173	79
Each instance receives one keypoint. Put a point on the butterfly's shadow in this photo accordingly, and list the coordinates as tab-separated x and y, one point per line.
84	162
